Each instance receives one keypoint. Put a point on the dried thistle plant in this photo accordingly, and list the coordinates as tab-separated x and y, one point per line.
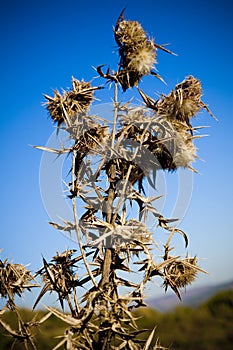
108	167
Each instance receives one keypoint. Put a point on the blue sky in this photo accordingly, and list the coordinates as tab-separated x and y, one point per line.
45	43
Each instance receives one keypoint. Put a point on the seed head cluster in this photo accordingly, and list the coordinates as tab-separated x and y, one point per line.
168	140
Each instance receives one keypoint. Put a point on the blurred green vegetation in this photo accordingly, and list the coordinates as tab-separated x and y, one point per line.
208	327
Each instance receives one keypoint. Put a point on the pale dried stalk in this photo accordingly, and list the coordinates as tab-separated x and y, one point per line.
77	228
121	199
108	253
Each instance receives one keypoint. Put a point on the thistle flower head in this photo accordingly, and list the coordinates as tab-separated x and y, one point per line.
14	279
66	105
129	33
58	275
137	52
92	139
81	95
62	271
54	107
174	112
180	273
183	103
178	108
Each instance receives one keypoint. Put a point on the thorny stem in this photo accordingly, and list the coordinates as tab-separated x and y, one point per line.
106	273
121	199
77	227
70	305
80	243
110	199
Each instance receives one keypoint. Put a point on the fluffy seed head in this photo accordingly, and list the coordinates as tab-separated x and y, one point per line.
142	59
184	149
137	52
182	103
172	145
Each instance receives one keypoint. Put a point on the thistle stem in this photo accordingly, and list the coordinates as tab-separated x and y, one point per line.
77	228
110	199
106	272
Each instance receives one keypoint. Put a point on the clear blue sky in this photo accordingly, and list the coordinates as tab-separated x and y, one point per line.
44	43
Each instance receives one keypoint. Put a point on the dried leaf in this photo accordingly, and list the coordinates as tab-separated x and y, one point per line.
52	150
66	318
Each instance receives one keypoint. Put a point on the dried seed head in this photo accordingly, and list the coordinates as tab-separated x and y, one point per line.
137	52
59	275
62	272
54	107
128	79
184	149
81	95
172	145
14	278
71	102
91	139
175	111
180	273
141	60
170	141
129	33
182	103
